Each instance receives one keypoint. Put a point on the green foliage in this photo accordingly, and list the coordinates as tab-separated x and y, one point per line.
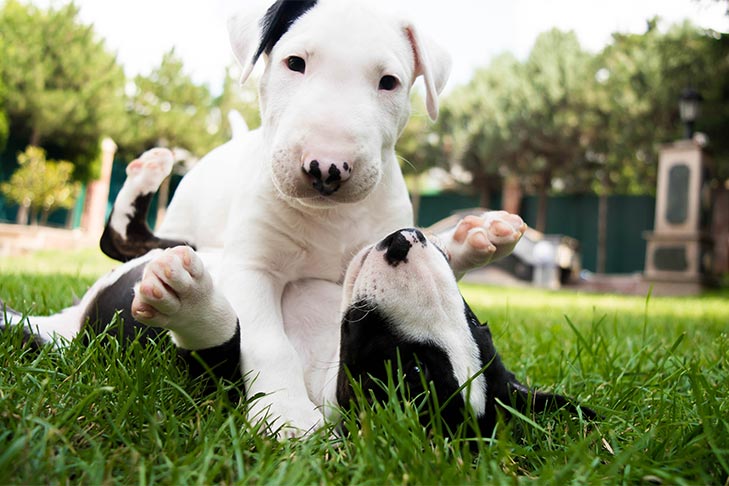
655	370
167	108
41	185
420	147
567	120
640	78
64	90
4	127
243	99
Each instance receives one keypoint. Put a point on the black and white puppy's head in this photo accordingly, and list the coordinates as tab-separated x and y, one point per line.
403	306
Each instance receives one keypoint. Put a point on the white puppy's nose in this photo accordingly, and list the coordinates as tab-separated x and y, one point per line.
327	176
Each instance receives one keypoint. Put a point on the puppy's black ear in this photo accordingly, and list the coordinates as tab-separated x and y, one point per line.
278	19
528	400
253	32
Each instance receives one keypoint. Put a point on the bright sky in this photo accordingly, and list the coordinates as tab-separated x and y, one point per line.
473	31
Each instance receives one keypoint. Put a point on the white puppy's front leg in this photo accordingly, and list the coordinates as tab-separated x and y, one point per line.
272	369
177	293
479	240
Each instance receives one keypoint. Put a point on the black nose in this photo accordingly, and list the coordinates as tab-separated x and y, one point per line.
327	183
398	244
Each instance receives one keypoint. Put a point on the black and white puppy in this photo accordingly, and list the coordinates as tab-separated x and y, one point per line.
405	314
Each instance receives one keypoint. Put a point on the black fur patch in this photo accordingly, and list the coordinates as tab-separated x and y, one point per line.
117	298
502	384
222	361
139	238
370	345
398	246
278	20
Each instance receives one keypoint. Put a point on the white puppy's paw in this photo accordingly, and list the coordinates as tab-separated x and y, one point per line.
479	240
177	293
148	171
286	421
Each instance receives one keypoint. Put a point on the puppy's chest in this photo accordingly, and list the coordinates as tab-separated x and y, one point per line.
326	253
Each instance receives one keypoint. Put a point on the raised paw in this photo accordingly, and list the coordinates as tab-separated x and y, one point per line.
479	240
148	171
177	293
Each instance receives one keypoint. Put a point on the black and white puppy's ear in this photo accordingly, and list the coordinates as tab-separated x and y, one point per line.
433	63
255	30
503	385
526	400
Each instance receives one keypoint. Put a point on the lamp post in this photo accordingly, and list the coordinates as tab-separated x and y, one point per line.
689	107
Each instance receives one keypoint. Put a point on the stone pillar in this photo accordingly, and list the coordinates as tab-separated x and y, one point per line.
678	254
93	218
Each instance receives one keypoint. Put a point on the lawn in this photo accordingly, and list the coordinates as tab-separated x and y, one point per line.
654	368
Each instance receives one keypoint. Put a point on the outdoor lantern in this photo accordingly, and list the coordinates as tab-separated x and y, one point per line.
689	106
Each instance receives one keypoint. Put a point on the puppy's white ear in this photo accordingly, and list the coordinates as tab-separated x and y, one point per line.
244	33
433	63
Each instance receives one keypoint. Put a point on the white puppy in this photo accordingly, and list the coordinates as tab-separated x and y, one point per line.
296	199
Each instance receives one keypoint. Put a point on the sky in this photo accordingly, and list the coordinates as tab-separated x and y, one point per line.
472	31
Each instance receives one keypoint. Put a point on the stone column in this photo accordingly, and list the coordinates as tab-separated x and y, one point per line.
93	218
678	254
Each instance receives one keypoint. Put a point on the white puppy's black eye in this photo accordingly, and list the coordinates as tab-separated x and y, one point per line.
297	64
388	83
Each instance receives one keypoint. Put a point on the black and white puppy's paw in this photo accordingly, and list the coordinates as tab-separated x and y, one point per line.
480	240
145	174
177	293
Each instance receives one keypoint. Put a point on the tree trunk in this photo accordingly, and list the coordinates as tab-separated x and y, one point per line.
35	137
33	216
22	216
543	189
602	215
70	213
481	182
511	197
44	217
484	199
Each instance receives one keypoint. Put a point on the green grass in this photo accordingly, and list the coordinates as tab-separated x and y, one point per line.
655	369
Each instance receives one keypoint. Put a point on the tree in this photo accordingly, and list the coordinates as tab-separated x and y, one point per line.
557	112
483	120
40	185
4	128
64	90
243	99
167	108
523	120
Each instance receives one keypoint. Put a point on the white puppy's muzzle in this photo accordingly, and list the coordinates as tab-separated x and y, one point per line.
326	176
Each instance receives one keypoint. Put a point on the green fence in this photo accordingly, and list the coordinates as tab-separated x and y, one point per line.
575	216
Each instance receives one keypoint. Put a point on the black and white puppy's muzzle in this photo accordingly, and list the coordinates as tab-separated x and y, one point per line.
403	309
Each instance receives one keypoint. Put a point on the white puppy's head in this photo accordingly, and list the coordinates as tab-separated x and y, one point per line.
335	92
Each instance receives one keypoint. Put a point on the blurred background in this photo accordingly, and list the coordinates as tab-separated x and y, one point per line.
556	110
